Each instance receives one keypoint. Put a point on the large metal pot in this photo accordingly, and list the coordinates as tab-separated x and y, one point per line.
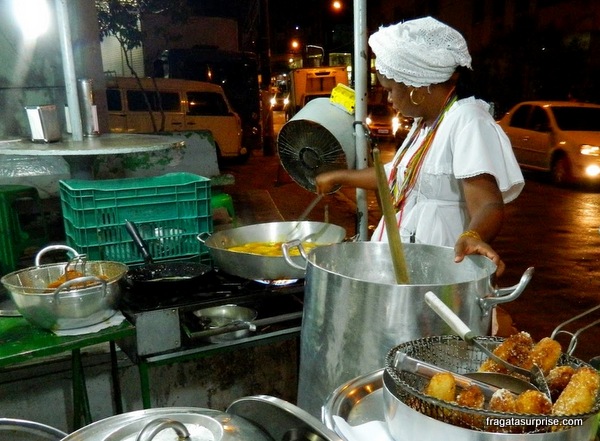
354	311
212	424
256	267
76	303
255	418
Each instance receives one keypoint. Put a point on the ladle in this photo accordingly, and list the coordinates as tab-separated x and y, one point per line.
502	380
486	382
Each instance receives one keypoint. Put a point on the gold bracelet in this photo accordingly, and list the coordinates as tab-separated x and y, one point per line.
471	233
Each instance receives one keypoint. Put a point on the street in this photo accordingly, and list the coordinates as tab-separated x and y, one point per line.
553	229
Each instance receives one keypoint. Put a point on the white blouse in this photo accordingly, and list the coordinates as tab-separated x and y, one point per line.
468	143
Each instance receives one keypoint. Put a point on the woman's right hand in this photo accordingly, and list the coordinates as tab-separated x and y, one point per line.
326	182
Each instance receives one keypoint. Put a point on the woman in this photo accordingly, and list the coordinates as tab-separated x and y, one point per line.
455	170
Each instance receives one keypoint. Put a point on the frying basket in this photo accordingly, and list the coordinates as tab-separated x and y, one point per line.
452	353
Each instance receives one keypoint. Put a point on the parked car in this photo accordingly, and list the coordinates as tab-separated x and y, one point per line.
559	137
186	105
380	120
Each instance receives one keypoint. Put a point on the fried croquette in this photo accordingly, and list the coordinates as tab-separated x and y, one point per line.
545	354
442	386
557	380
503	400
472	396
579	395
533	402
515	350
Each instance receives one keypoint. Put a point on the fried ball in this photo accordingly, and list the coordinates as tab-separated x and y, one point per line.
471	397
503	400
442	386
533	402
579	396
515	350
545	354
557	380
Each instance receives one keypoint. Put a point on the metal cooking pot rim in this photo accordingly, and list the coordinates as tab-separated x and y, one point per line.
8	282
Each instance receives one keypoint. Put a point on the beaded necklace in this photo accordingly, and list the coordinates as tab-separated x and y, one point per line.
400	191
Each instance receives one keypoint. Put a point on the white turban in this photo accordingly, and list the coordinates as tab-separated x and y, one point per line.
419	52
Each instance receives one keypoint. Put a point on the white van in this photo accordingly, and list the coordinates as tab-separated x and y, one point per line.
186	105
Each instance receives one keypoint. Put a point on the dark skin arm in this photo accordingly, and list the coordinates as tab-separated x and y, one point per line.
484	204
486	210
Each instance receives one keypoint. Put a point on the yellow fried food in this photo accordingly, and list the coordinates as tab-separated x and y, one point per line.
514	349
545	354
579	395
503	400
471	397
533	402
70	275
272	249
557	380
442	386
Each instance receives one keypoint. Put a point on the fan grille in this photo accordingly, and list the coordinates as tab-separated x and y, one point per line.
307	149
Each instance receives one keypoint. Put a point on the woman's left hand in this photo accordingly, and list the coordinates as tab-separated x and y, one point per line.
471	245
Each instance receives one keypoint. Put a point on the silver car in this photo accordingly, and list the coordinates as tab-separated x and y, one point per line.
560	137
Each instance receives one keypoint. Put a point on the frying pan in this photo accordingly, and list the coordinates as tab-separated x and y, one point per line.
168	277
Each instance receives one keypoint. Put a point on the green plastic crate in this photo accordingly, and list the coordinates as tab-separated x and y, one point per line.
169	210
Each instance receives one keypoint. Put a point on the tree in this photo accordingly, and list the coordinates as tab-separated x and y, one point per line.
121	19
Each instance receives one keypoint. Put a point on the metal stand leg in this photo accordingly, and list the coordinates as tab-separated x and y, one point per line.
81	405
145	384
114	372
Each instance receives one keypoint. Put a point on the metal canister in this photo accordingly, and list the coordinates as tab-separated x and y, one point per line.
89	115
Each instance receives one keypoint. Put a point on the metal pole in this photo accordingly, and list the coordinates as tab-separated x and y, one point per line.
360	109
64	33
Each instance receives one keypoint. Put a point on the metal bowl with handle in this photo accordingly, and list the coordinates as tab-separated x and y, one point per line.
257	267
76	303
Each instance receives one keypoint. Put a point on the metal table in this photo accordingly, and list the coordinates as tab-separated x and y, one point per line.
20	342
80	155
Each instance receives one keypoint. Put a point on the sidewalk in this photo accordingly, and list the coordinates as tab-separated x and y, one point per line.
265	173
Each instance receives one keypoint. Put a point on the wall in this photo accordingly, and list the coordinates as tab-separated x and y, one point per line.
42	392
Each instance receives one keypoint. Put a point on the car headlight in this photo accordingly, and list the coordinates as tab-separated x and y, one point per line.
589	150
395	124
368	121
273	101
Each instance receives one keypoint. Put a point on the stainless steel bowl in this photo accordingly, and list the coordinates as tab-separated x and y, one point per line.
76	303
225	317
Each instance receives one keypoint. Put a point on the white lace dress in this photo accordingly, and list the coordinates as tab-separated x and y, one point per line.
468	143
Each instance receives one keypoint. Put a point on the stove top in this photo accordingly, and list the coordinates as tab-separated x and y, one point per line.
166	324
216	288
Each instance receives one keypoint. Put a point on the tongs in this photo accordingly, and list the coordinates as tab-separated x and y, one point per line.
574	335
535	375
406	363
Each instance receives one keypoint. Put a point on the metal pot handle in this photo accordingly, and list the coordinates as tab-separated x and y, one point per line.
43	251
508	294
84	279
296	243
202	237
152	429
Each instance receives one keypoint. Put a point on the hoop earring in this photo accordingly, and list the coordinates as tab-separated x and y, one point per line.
412	99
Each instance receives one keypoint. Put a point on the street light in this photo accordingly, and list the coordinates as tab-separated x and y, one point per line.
33	17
